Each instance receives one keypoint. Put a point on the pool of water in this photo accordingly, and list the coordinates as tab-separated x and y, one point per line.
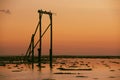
100	69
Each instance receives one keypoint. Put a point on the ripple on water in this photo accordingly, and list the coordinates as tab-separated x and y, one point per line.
112	77
82	76
95	78
48	79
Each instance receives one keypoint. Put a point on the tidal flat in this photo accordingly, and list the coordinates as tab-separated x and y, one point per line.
64	69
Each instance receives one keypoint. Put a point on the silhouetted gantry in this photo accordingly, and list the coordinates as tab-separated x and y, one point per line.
32	45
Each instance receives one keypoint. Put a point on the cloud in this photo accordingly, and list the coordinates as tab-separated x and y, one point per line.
6	11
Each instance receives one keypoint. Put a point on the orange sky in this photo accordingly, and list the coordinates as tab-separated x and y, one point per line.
80	27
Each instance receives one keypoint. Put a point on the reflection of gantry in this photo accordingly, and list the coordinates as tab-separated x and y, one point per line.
30	50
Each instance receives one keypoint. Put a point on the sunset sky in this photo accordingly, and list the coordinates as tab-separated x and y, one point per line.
80	27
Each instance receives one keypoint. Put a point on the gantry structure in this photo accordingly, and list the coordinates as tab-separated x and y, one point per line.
30	51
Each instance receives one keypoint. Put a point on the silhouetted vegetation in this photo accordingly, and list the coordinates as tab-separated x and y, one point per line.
45	58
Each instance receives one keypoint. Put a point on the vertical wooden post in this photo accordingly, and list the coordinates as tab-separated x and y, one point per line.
40	38
32	45
51	41
39	58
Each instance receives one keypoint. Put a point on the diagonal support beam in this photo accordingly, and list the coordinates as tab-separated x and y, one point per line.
42	35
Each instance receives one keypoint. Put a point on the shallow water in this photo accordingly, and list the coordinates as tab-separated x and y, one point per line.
102	69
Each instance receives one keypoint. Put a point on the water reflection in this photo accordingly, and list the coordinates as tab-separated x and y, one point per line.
102	69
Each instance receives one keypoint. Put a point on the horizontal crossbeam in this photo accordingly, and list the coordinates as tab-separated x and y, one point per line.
44	12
